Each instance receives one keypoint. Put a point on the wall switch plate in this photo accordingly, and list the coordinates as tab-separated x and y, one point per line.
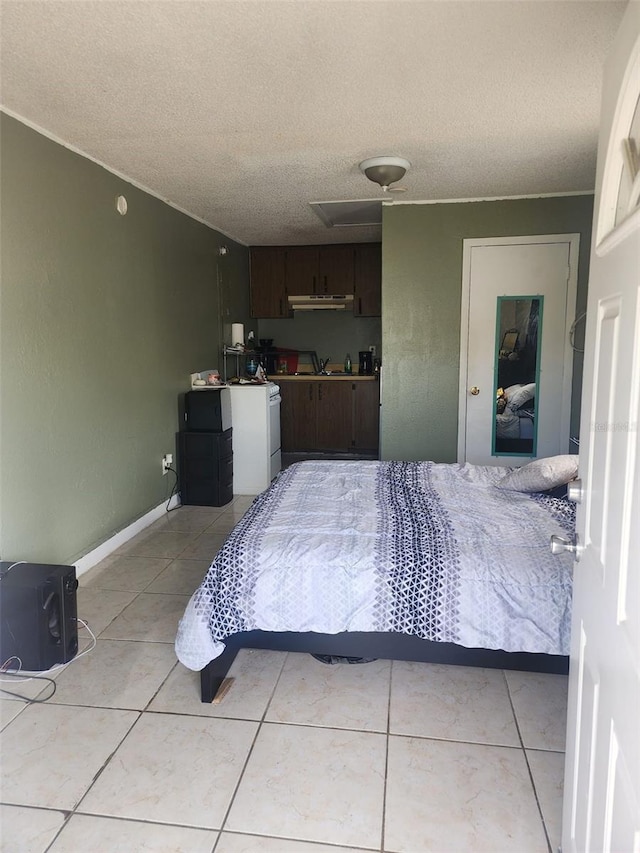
372	350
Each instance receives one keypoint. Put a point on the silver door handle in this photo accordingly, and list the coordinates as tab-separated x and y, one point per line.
574	491
559	545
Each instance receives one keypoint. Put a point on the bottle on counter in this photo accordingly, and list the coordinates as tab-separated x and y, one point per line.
347	364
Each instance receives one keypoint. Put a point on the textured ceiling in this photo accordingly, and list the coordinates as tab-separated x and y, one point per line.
243	112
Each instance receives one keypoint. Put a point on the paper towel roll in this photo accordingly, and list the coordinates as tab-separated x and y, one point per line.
237	334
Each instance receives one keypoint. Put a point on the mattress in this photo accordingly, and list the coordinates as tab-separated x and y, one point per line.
427	549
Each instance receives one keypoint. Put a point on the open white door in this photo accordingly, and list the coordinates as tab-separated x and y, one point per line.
602	774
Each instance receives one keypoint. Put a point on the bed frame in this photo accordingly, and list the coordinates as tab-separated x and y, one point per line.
388	646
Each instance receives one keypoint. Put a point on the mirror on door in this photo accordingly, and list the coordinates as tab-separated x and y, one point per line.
517	375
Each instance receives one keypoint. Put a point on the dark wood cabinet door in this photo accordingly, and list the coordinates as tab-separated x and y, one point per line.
334	415
302	270
298	416
367	300
366	415
268	288
336	268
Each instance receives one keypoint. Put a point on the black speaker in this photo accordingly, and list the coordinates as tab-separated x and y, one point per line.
38	615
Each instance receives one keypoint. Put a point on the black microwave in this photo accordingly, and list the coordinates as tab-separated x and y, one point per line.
208	410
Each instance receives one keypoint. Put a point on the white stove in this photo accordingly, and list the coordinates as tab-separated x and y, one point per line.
255	419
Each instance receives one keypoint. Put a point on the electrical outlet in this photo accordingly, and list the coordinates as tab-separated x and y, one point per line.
372	350
167	461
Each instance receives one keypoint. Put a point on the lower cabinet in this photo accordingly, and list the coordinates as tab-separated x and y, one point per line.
366	416
206	468
329	415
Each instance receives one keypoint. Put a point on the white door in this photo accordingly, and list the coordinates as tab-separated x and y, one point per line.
602	772
495	269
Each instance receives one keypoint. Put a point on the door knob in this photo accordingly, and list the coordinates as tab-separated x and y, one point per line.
559	545
574	491
474	391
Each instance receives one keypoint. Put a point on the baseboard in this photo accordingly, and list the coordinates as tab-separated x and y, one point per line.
88	561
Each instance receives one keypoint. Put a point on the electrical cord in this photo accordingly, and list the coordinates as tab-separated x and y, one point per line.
6	571
17	673
27	699
174	490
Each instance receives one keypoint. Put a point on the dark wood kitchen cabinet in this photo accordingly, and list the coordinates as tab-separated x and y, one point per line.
366	416
297	415
341	268
320	269
367	290
268	282
329	415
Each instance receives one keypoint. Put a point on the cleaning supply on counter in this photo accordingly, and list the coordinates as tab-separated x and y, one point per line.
347	364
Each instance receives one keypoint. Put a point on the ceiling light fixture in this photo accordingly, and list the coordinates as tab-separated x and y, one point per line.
385	171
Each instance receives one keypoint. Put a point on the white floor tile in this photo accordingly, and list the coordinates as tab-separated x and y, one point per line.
26	685
25	830
451	702
313	784
223	525
51	753
241	503
205	547
255	673
346	696
187	519
175	769
9	708
232	843
547	769
444	796
540	703
236	511
181	577
116	674
151	616
130	574
156	544
86	833
100	607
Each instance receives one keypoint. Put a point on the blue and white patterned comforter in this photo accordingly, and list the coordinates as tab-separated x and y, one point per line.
420	548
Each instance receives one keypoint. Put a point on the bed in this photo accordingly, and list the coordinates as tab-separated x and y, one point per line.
397	560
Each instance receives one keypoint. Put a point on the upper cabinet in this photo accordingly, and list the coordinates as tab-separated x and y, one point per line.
319	269
277	271
367	300
268	289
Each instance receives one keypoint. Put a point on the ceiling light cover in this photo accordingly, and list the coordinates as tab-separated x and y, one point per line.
385	170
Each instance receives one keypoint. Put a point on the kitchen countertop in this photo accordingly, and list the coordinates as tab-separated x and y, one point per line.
305	377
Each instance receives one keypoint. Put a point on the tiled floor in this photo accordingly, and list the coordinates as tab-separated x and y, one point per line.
299	757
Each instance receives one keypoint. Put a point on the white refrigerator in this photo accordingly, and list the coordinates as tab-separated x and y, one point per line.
255	419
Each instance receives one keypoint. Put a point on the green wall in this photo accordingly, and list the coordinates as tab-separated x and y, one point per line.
421	296
103	317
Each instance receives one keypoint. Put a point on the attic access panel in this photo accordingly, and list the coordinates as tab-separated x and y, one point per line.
347	214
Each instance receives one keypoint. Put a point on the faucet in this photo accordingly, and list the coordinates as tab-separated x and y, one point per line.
323	365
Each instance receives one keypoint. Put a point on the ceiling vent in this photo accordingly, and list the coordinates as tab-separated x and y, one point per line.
349	214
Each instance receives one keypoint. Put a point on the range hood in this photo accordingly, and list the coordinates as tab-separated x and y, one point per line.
321	301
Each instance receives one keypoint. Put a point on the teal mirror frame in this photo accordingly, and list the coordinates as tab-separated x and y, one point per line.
499	336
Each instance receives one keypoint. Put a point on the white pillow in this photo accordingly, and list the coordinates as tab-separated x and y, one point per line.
541	474
518	395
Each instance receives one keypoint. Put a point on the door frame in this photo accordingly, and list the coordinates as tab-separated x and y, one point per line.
572	289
